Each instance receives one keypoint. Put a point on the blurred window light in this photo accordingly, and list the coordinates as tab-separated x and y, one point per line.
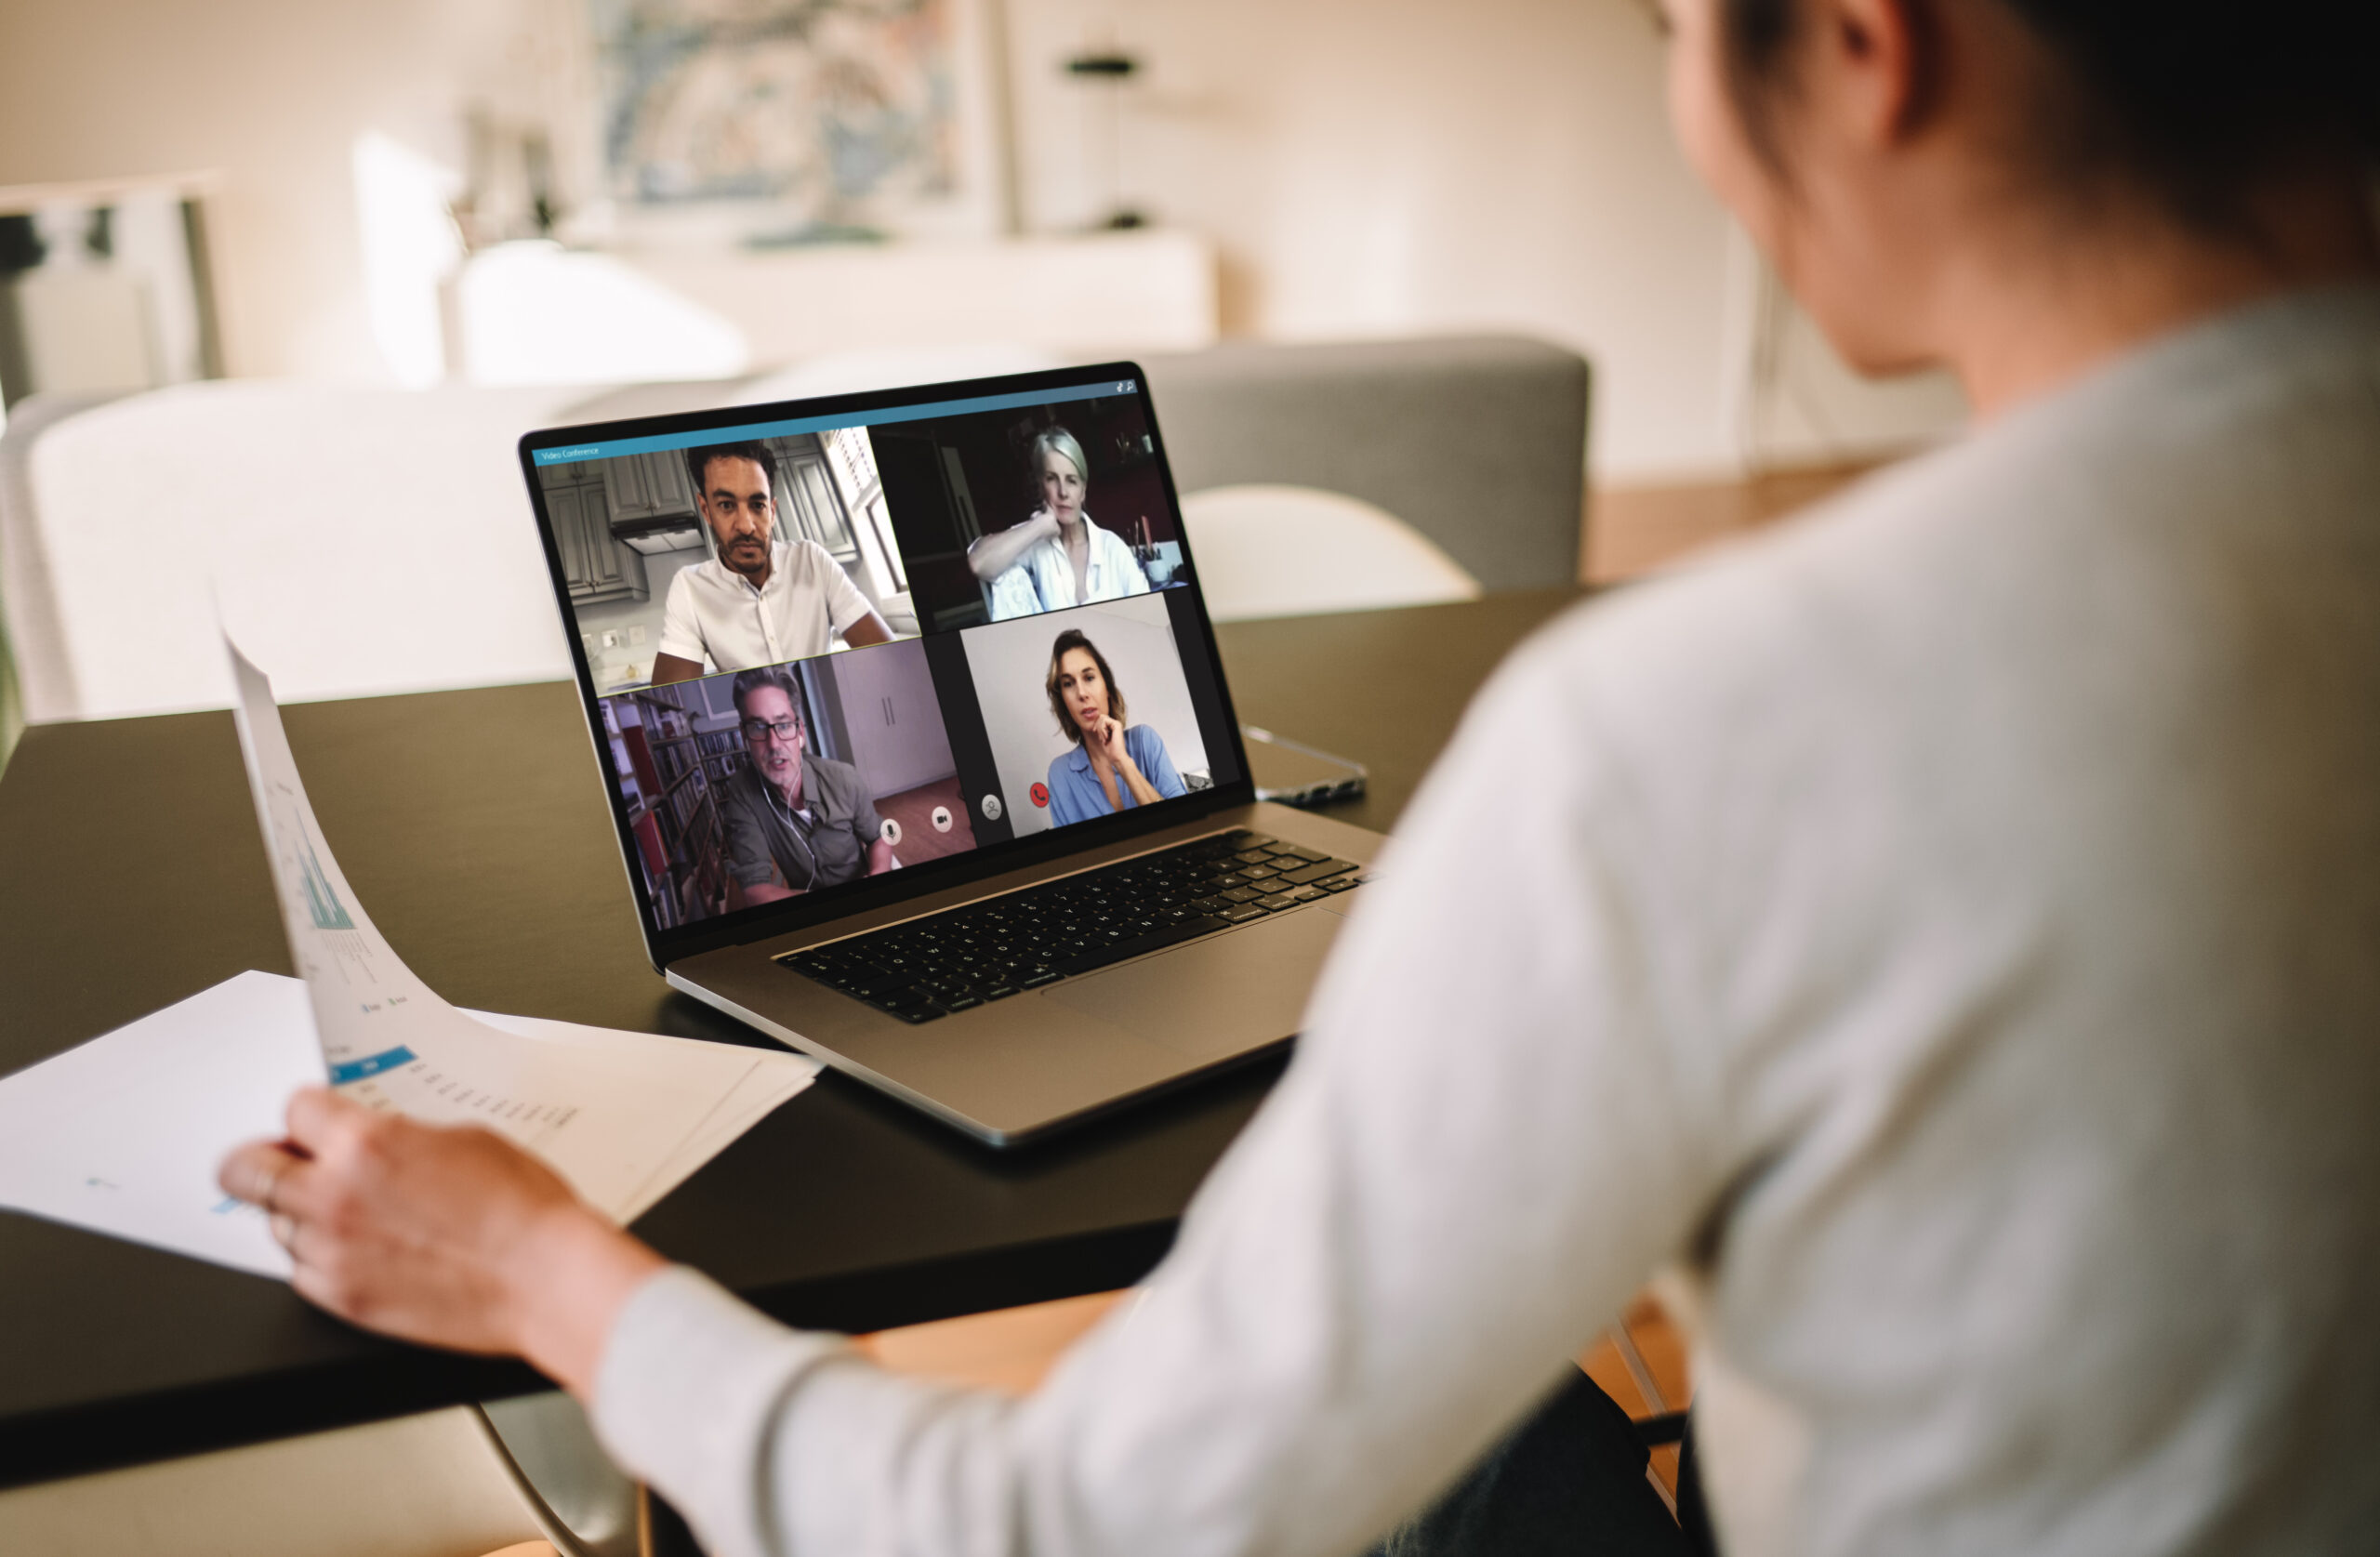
411	245
535	312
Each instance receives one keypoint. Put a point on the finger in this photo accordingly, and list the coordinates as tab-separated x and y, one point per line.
259	1171
319	1117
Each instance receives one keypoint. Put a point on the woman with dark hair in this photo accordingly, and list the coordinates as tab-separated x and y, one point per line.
1114	767
1937	937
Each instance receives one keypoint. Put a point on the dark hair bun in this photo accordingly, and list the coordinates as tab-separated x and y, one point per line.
2199	97
2222	84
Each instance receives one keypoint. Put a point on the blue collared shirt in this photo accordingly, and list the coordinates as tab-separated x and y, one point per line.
1075	794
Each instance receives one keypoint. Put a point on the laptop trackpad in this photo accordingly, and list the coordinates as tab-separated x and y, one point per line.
1215	997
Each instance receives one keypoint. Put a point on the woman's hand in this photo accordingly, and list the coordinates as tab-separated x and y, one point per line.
1107	739
1107	745
453	1237
990	556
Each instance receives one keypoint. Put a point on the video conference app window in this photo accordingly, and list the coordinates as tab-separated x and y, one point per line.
757	754
777	780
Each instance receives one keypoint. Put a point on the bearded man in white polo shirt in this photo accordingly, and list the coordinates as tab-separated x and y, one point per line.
754	603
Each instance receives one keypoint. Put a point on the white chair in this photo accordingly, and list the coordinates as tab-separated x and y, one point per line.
357	541
439	1484
1295	550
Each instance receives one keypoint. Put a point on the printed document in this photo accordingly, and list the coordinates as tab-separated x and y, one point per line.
123	1135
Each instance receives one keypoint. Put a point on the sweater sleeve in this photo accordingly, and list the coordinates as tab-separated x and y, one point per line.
1483	1147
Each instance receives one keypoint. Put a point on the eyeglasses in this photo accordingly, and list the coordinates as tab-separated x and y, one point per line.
757	731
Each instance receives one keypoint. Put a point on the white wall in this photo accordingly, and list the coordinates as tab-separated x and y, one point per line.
1011	663
891	716
1369	168
1381	167
1377	168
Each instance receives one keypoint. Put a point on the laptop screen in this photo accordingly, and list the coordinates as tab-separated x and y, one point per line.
906	637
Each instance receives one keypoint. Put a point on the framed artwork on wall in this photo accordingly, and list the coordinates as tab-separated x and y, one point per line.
786	122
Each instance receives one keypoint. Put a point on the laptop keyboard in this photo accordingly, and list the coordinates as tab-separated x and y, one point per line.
961	959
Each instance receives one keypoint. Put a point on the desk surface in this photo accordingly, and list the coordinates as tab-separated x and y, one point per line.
131	877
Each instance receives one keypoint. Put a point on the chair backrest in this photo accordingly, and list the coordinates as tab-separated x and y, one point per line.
1480	443
1293	550
356	540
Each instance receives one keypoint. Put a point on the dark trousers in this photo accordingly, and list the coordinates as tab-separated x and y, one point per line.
1569	1480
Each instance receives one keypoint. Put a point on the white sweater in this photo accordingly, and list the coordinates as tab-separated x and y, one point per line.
1946	934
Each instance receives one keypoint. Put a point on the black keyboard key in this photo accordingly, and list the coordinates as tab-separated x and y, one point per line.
1139	945
1307	875
963	1003
870	983
1035	979
1278	901
914	1014
1340	883
999	991
1240	912
1308	894
1240	894
1311	856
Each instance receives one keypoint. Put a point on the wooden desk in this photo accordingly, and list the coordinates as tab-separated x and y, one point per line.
131	877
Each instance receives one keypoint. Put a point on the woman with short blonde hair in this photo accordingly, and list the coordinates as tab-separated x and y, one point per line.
1057	557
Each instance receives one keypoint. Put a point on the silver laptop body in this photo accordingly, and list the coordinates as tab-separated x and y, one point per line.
901	490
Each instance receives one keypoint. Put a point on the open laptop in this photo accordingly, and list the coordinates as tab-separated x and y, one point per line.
1008	865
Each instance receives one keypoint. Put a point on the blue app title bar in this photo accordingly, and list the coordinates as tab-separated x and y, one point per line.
614	448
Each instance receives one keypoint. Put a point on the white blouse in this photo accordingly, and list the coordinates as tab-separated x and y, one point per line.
1043	579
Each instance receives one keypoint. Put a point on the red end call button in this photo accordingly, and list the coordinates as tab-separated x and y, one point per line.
1040	794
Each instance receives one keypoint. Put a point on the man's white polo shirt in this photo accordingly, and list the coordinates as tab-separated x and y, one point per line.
714	613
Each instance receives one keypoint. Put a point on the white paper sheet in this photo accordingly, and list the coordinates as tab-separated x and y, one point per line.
122	1135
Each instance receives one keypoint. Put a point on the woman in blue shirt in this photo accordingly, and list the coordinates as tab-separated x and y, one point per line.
1113	765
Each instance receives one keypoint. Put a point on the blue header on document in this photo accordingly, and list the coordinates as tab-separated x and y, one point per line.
615	447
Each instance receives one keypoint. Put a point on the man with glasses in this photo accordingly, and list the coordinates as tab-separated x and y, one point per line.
793	821
754	602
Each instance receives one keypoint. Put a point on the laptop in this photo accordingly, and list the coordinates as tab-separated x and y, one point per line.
917	748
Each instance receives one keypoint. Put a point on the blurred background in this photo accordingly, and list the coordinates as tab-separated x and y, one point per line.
417	192
1428	299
